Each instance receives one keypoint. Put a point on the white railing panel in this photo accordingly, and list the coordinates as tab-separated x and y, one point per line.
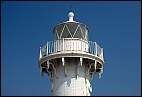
72	45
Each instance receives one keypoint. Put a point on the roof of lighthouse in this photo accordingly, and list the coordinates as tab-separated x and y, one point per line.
71	16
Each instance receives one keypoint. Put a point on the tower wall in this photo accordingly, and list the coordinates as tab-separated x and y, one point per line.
69	84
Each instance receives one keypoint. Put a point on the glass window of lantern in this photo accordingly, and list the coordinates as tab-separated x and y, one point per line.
84	31
78	33
65	33
59	30
72	28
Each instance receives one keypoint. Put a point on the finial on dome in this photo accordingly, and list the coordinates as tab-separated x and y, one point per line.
71	15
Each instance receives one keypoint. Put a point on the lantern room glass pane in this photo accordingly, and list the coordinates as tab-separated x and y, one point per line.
84	31
72	27
55	36
57	32
65	33
78	33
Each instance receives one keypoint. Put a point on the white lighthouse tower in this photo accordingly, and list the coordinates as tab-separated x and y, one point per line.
71	60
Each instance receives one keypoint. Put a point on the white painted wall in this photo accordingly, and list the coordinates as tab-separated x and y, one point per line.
71	85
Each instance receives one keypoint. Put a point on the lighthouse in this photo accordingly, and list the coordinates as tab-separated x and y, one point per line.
71	60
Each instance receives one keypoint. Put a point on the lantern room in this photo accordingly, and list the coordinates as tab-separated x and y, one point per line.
71	29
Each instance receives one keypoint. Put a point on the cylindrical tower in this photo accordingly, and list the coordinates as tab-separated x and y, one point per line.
71	60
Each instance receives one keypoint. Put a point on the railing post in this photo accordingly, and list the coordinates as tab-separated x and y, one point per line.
88	46
102	54
70	44
96	48
47	48
58	45
55	43
40	55
63	44
52	46
81	44
91	47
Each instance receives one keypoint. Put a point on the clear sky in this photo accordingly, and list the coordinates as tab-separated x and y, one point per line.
27	25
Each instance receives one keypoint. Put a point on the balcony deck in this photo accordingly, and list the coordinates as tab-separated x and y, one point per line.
70	46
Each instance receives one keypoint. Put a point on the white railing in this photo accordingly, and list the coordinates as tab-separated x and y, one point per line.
71	44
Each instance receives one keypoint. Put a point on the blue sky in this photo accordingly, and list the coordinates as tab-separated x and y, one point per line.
27	25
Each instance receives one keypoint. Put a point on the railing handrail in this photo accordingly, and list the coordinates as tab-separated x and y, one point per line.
72	39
